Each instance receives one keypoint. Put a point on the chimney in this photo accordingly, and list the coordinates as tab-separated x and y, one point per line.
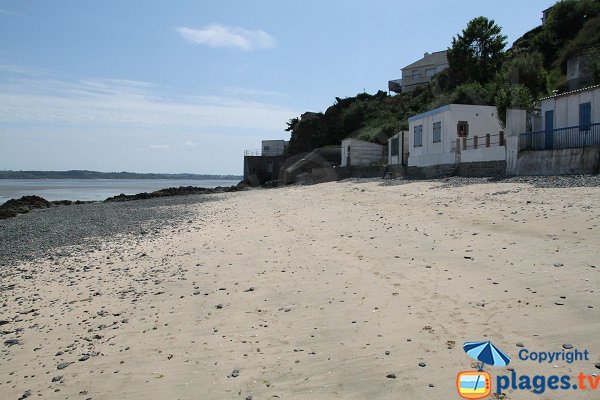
426	54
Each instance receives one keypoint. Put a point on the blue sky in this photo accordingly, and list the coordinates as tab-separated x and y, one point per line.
186	86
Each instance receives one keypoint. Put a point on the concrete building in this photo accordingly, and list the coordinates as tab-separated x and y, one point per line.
580	71
420	72
398	149
361	153
264	165
545	14
454	134
273	147
574	108
565	120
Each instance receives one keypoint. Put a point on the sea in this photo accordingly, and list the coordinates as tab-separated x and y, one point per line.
94	189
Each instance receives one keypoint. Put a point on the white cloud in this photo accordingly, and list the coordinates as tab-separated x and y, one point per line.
159	147
7	12
48	121
228	36
130	105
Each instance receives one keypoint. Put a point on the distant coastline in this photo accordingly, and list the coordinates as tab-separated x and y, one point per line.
84	174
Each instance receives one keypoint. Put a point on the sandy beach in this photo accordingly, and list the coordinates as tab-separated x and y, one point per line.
343	290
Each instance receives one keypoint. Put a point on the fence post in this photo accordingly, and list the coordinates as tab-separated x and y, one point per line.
501	138
487	140
464	143
475	139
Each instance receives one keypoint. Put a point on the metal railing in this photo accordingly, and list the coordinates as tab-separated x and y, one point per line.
479	142
562	138
263	153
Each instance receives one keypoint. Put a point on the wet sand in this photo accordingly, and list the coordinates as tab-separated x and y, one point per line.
317	292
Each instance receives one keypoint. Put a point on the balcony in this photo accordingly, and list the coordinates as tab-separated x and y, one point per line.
395	86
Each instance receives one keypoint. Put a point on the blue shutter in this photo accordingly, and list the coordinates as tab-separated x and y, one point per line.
585	116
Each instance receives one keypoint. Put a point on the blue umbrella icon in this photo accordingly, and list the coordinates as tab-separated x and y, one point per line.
487	353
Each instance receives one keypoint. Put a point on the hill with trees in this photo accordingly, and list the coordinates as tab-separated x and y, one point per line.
481	71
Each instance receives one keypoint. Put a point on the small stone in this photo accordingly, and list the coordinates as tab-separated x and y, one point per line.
57	378
235	373
422	365
219	306
557	265
25	395
431	385
387	353
84	357
249	397
11	342
391	376
520	345
559	303
250	289
567	346
597	365
63	365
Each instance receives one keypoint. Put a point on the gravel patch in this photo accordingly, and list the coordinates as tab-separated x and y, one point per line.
565	181
59	231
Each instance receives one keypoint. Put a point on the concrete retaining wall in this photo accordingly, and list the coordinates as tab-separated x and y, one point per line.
473	169
584	160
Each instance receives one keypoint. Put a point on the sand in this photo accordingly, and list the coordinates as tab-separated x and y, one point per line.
315	292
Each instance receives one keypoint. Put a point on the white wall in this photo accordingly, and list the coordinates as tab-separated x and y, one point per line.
492	153
362	153
273	147
394	160
482	120
566	108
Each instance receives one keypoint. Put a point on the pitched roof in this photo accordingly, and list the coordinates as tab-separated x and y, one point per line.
571	92
436	58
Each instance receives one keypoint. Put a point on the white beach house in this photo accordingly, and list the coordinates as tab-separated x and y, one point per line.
433	136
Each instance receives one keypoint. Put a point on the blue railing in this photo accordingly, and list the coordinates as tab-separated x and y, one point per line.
563	138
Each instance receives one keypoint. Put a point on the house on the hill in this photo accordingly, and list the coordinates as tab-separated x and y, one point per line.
457	134
419	72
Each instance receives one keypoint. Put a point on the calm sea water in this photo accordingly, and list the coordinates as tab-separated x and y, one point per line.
93	189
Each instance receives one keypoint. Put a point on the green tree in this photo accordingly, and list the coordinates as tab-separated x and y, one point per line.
527	68
517	96
477	54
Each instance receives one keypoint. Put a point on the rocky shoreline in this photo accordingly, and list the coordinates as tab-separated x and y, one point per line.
81	228
25	204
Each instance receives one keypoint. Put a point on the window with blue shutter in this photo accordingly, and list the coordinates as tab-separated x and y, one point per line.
585	116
